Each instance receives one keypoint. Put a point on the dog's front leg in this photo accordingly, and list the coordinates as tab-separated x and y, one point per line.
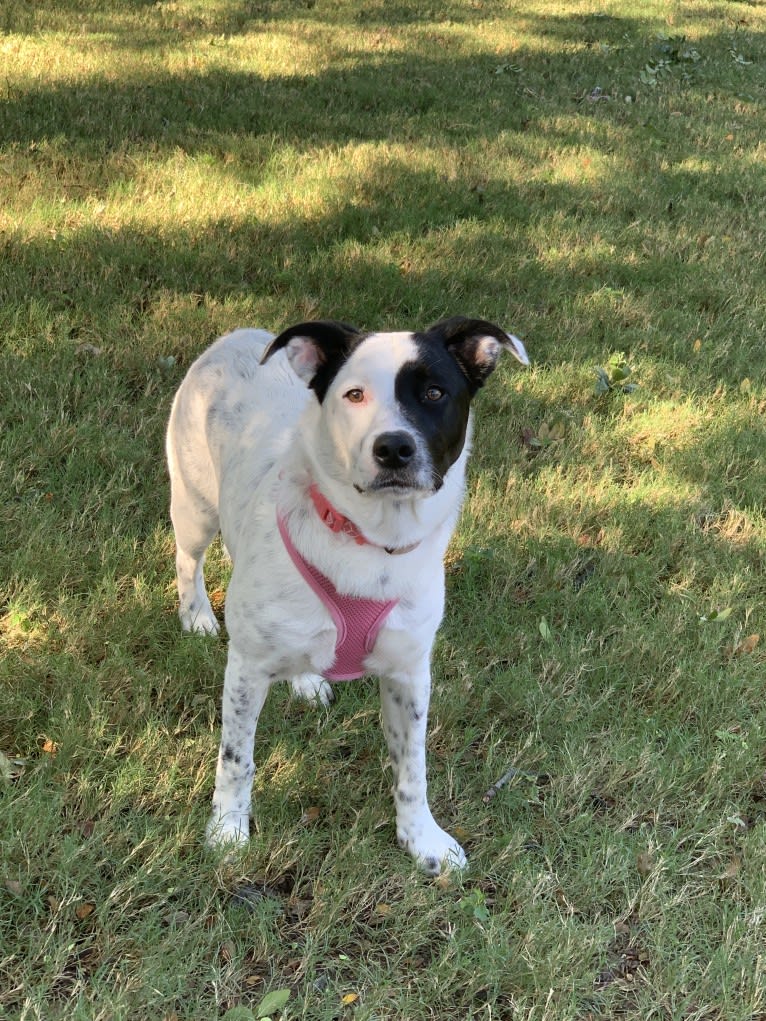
245	689
404	705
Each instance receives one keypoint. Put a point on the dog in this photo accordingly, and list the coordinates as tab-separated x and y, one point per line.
333	463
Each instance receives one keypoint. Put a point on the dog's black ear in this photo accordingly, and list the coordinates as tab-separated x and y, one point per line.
476	345
316	350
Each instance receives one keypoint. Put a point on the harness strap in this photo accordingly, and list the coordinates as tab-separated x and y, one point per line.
357	621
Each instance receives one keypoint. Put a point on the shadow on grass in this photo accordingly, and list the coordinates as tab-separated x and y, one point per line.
366	95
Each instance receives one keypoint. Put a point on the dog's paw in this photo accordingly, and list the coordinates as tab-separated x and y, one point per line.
312	688
433	848
200	621
228	832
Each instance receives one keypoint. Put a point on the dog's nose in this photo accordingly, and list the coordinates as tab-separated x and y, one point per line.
393	450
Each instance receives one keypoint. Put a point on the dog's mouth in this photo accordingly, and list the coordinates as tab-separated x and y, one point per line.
393	482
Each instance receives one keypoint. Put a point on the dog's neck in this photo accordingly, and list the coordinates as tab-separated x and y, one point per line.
337	522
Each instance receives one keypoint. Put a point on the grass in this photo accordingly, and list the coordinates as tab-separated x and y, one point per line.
588	175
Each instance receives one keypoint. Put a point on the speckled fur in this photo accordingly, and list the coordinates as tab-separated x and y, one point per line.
247	437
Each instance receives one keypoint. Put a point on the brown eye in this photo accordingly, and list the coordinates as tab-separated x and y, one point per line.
434	393
356	396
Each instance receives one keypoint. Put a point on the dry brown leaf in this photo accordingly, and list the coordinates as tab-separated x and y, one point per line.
747	645
310	815
13	886
350	998
84	910
50	747
383	910
644	862
53	903
732	870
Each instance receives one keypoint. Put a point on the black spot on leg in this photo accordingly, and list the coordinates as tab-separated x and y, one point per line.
405	799
228	753
431	864
415	713
397	699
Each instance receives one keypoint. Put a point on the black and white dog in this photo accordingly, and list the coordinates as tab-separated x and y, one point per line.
333	463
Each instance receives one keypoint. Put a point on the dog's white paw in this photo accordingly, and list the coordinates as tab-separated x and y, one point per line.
312	688
200	621
433	848
231	831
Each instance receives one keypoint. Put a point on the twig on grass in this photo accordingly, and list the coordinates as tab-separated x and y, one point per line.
512	773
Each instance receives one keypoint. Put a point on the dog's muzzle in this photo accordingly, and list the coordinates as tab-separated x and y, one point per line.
394	450
400	464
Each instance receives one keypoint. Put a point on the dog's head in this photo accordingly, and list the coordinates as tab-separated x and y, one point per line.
395	406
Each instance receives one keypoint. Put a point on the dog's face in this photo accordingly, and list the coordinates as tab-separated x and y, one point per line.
395	406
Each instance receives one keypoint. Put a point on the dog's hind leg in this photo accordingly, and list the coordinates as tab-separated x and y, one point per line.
195	523
312	688
245	688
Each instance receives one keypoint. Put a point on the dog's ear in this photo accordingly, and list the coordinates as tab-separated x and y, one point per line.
477	345
315	350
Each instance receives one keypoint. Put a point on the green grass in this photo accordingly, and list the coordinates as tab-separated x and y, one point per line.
172	170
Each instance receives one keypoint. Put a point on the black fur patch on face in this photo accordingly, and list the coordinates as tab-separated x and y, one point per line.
435	396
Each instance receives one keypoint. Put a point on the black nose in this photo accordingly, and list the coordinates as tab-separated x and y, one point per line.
393	450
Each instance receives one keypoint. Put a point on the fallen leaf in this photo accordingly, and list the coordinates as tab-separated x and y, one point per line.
732	869
84	910
529	439
240	1013
88	349
13	886
350	998
275	1000
716	615
383	910
747	645
310	815
53	903
644	862
50	747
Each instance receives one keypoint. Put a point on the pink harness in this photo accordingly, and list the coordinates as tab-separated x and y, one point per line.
358	621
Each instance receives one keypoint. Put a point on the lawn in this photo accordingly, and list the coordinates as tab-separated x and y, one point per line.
591	175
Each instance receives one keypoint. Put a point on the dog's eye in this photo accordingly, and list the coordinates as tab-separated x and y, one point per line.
356	396
434	393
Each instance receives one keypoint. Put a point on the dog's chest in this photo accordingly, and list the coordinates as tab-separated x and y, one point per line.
357	620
